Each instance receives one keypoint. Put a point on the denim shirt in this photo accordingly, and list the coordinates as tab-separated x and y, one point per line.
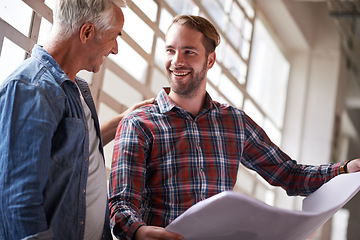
44	152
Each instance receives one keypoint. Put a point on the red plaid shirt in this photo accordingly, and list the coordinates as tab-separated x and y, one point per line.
165	160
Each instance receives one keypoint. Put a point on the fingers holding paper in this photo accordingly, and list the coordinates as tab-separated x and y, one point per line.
155	233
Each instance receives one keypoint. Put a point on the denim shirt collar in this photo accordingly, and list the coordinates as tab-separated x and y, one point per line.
45	58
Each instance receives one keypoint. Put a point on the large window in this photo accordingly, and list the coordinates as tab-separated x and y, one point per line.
11	53
267	82
243	75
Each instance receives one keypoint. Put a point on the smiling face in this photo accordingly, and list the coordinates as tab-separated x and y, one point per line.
105	42
186	62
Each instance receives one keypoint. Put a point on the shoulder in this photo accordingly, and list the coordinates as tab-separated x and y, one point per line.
32	75
144	117
145	112
225	108
33	81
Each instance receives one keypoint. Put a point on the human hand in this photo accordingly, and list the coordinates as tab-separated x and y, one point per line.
137	105
353	166
108	129
155	233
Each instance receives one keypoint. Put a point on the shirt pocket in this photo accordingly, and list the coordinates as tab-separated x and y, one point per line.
68	142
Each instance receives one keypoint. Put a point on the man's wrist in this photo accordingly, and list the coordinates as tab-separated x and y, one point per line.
343	167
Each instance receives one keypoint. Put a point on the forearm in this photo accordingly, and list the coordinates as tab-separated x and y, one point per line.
276	167
125	217
108	129
305	179
124	200
22	195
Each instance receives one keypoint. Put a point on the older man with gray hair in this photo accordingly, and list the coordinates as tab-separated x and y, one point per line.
52	169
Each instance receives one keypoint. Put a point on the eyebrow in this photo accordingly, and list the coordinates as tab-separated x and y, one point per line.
185	47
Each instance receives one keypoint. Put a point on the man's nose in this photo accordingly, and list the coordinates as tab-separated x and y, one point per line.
115	49
178	60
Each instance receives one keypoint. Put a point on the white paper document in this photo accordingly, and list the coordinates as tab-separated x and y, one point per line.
231	216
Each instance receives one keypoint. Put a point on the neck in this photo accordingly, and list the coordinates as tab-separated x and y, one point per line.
192	104
66	53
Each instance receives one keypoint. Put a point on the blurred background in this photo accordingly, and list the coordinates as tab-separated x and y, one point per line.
292	65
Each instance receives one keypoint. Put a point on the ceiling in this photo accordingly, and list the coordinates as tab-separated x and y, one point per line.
346	17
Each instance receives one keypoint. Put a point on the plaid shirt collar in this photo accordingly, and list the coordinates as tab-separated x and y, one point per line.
166	104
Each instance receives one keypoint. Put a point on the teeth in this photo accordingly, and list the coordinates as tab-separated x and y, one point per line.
179	74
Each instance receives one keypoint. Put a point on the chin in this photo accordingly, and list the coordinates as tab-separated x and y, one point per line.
96	68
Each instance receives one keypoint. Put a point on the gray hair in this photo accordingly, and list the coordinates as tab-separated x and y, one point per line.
70	15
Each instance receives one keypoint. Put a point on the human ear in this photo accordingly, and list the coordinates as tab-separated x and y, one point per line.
87	32
211	60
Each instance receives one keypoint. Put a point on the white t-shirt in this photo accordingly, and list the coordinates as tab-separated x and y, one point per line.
96	193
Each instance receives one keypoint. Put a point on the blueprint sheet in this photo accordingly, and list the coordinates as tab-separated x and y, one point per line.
231	216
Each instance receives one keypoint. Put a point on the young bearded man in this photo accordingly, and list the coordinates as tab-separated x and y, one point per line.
187	147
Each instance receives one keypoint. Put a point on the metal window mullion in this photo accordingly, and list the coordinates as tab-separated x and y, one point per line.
15	36
112	102
129	79
152	63
41	8
34	29
97	84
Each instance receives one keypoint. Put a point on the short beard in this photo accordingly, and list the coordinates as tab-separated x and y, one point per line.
188	90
